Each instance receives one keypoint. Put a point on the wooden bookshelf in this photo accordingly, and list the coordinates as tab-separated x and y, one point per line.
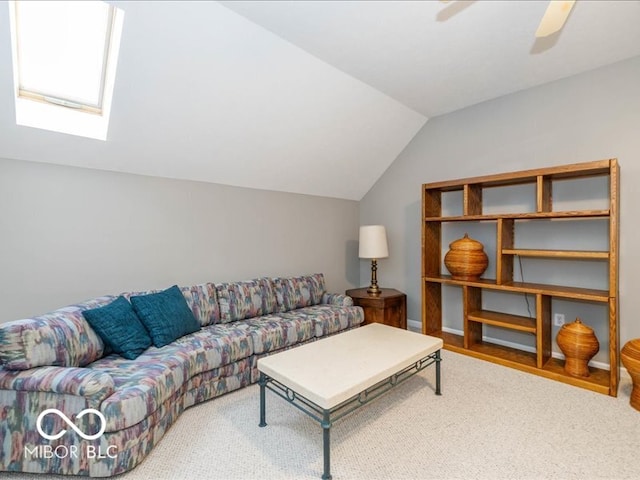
475	318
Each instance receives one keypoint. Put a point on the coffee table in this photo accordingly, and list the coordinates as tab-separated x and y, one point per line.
332	377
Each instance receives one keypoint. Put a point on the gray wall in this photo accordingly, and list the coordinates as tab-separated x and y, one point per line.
592	116
68	234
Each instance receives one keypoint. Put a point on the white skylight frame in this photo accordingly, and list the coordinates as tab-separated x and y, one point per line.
66	113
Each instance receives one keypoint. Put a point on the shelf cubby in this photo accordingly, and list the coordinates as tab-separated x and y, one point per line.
504	320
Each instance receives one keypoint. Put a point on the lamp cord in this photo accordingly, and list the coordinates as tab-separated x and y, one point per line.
526	295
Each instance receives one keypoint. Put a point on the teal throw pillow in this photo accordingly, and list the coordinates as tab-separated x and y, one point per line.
120	328
166	315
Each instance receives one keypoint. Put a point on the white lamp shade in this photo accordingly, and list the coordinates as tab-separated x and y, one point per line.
373	242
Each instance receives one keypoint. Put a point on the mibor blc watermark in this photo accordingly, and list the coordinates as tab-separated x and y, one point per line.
70	451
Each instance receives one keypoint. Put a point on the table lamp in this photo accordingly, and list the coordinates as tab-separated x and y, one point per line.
373	245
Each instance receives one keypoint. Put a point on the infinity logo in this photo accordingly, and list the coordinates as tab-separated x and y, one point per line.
103	422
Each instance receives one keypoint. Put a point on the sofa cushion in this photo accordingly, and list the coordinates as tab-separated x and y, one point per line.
203	301
165	315
216	345
292	293
81	382
60	338
119	327
329	319
274	332
142	385
316	287
240	300
337	299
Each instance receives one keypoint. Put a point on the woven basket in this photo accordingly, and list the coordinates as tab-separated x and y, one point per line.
466	259
630	356
579	344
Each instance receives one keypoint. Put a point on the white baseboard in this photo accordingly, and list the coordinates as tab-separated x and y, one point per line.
416	325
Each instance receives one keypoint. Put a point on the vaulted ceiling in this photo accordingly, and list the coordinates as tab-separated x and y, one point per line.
310	97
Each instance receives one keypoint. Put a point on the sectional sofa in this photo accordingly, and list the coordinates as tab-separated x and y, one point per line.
118	408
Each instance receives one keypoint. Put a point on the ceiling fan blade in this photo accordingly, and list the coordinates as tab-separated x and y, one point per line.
554	18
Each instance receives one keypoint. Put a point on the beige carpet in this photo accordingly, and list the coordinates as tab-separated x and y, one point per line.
491	422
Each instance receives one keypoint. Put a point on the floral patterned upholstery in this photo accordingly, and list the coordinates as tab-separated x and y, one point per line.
142	384
216	382
60	338
329	319
20	409
216	345
82	382
292	293
128	295
203	301
240	300
54	361
337	299
276	331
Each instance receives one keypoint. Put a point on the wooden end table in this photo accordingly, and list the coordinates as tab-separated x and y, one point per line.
389	308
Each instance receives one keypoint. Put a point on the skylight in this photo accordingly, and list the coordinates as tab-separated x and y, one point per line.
64	61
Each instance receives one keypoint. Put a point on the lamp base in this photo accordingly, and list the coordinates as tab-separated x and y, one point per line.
374	290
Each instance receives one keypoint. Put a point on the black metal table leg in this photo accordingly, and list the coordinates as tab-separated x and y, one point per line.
326	416
326	440
438	360
262	381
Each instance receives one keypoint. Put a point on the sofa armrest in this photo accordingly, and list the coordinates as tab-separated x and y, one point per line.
337	299
82	382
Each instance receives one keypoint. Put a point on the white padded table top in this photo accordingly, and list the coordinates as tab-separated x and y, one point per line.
332	370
